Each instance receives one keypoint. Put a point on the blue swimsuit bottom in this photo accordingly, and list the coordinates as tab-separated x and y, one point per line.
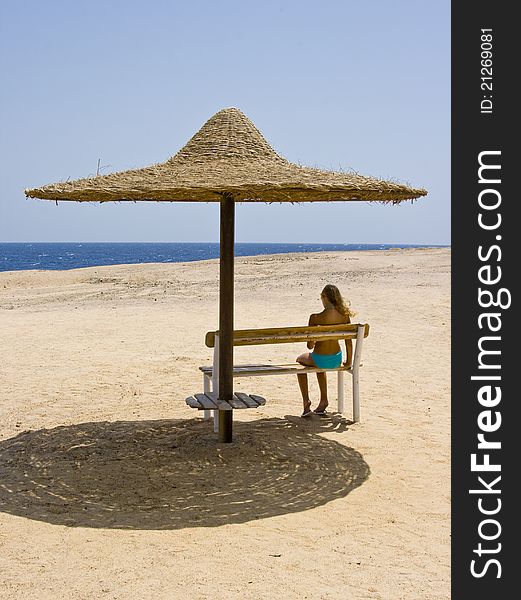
327	361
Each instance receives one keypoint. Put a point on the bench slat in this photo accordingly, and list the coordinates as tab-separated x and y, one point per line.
236	402
253	370
288	339
208	369
191	401
283	335
239	400
206	401
211	402
259	399
250	403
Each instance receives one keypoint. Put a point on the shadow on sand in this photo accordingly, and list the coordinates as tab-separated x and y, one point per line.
170	474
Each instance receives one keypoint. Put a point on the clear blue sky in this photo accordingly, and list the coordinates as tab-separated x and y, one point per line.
361	85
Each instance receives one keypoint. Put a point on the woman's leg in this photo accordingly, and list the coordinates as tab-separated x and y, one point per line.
322	384
306	360
303	384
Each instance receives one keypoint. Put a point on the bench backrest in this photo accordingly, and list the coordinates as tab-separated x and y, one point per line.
284	335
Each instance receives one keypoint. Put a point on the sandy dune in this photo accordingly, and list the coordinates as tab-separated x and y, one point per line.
111	487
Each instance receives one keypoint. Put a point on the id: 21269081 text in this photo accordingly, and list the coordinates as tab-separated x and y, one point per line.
487	82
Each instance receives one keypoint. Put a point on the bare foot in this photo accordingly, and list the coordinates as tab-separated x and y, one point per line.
321	407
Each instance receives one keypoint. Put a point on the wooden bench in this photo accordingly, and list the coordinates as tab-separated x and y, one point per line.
284	335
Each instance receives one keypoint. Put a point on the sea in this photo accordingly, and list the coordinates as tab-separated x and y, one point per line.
74	255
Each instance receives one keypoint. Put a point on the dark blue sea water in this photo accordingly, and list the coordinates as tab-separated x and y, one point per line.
58	256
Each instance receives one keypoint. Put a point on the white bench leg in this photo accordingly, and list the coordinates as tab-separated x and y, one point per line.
215	386
340	391
356	395
206	390
215	381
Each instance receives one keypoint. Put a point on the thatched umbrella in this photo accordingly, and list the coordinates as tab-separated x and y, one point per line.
227	161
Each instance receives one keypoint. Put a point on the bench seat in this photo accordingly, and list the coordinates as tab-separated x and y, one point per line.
209	401
267	369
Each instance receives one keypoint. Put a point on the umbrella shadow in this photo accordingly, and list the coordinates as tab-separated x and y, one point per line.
171	474
331	422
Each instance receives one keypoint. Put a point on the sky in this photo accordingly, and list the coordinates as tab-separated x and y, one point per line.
331	84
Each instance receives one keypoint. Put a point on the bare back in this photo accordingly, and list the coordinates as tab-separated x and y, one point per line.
329	316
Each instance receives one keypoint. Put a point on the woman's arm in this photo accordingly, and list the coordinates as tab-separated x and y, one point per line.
311	321
349	353
349	350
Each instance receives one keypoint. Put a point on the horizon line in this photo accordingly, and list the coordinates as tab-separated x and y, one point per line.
236	242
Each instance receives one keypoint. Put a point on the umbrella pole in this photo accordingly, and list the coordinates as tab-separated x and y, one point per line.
227	236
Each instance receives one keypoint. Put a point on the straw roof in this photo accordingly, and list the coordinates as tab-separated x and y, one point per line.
227	156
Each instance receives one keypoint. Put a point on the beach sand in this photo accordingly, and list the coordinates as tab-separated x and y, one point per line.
112	487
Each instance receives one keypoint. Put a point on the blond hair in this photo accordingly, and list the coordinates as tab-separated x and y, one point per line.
332	293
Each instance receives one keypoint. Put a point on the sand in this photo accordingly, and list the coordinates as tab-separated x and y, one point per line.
112	487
